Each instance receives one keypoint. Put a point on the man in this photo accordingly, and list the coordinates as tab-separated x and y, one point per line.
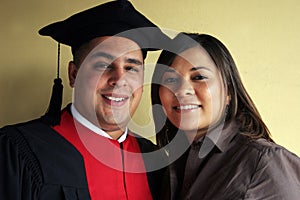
87	152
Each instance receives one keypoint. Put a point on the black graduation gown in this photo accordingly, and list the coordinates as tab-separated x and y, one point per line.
38	163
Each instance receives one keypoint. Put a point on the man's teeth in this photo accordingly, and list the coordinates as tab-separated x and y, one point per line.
187	107
115	98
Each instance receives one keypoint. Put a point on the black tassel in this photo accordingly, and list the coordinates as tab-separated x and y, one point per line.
52	116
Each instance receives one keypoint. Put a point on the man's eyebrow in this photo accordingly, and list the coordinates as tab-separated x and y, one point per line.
111	57
134	61
103	54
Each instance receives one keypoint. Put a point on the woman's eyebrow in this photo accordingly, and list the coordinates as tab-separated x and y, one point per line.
170	70
200	67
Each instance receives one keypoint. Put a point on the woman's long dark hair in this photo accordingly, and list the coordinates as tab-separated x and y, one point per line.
241	107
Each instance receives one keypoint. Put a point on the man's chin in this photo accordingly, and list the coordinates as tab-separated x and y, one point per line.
114	125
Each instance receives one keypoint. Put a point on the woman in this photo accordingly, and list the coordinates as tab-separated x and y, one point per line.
212	126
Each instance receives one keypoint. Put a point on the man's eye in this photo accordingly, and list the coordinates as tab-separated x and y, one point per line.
132	69
101	66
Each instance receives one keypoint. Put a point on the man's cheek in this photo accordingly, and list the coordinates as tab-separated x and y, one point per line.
138	85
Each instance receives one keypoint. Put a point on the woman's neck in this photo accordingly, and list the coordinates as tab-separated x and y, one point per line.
195	135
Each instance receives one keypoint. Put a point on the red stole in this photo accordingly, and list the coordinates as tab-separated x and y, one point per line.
113	170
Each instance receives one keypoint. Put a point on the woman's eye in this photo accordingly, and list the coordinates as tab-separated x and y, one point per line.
199	77
170	80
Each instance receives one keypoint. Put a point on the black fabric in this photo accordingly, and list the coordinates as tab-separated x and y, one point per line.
38	163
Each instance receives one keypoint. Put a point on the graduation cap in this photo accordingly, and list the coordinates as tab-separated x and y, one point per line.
118	18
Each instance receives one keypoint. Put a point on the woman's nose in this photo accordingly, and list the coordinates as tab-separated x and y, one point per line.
185	89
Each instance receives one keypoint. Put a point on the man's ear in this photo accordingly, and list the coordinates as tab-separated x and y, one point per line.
72	71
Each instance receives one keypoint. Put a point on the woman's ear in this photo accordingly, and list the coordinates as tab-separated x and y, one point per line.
72	72
228	98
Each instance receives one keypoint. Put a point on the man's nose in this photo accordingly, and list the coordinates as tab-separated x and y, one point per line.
117	78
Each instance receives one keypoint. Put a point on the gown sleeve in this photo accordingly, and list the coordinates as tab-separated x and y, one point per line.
18	179
277	176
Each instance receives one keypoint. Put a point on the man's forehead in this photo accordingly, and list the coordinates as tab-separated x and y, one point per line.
112	41
114	46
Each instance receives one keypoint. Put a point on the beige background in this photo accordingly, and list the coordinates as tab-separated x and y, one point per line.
262	35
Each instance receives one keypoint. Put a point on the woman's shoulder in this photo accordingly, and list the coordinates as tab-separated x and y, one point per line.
269	150
275	168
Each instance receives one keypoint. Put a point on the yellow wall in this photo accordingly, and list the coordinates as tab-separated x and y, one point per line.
262	35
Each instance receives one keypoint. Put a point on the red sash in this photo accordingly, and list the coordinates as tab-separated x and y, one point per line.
113	170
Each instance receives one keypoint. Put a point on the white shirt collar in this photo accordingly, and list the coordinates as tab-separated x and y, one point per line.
82	120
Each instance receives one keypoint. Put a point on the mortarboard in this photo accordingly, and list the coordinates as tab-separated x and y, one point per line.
112	18
108	19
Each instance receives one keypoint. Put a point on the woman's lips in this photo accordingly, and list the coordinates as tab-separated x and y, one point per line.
187	108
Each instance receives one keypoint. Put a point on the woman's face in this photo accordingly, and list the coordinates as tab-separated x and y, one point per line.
192	92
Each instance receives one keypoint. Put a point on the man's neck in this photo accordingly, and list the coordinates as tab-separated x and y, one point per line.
119	135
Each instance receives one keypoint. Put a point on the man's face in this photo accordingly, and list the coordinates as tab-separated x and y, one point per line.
108	84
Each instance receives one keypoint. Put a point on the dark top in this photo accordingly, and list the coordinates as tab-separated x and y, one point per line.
228	165
38	163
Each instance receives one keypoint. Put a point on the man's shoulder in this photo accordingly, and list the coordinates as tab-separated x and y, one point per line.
33	133
25	133
9	129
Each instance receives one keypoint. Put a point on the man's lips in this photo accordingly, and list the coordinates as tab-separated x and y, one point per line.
115	100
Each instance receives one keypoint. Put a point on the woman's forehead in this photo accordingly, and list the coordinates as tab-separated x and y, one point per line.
195	57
